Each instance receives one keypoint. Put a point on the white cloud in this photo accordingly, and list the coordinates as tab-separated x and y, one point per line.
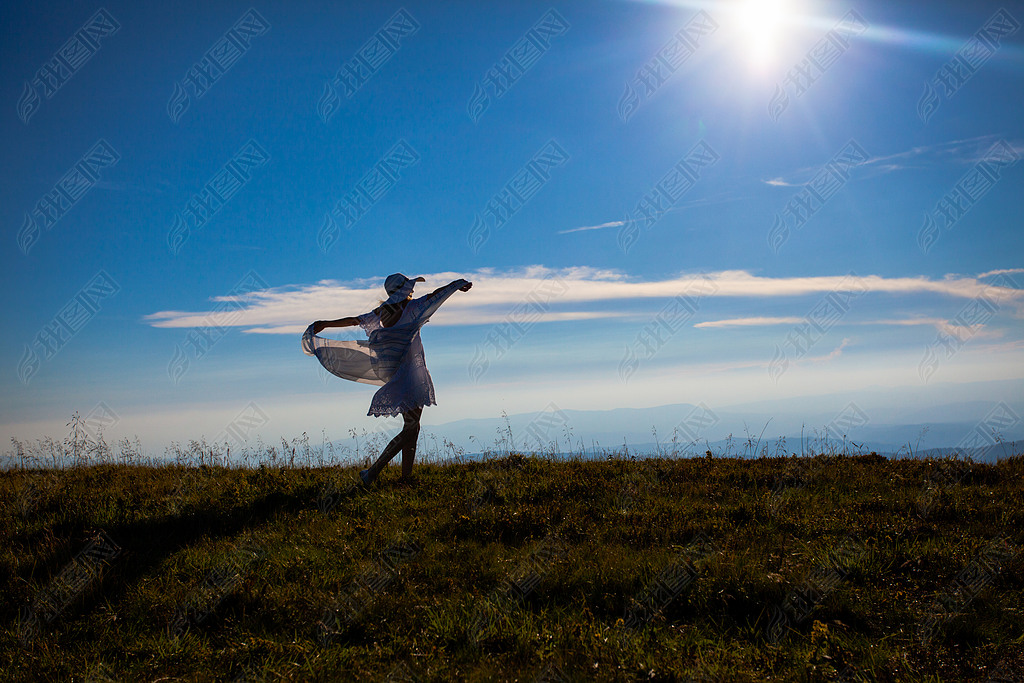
907	321
610	224
832	355
283	310
719	198
482	319
967	151
749	322
967	332
940	324
1004	271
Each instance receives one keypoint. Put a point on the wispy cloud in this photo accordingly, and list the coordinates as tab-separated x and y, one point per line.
934	322
941	324
957	152
779	182
1004	271
831	355
484	318
720	198
610	224
749	322
978	330
282	310
717	367
966	151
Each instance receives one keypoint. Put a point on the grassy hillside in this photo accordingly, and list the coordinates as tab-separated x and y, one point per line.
521	568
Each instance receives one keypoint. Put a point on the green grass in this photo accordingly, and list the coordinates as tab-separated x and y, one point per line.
262	554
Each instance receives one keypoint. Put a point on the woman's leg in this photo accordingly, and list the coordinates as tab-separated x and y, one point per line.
409	434
389	452
412	435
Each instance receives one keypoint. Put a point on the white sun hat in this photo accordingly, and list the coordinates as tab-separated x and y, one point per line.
398	286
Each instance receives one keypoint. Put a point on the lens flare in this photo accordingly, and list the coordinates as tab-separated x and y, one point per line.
761	24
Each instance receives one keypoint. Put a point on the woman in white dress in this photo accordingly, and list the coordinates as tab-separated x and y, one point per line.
392	358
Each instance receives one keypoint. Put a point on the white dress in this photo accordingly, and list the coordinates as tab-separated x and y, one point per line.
391	358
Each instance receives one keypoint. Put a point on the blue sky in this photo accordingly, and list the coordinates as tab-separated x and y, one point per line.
581	138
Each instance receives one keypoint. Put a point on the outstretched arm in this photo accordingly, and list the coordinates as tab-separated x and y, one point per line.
464	288
431	302
320	325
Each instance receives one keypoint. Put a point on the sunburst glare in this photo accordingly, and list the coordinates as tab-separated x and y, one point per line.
761	26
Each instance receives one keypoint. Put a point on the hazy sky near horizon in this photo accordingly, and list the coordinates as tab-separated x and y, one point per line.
657	202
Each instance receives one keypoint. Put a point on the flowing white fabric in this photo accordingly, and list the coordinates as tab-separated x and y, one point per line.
351	360
391	358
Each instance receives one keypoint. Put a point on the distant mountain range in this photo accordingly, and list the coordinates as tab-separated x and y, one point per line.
898	426
985	430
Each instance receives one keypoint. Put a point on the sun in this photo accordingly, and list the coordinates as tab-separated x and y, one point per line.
761	26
